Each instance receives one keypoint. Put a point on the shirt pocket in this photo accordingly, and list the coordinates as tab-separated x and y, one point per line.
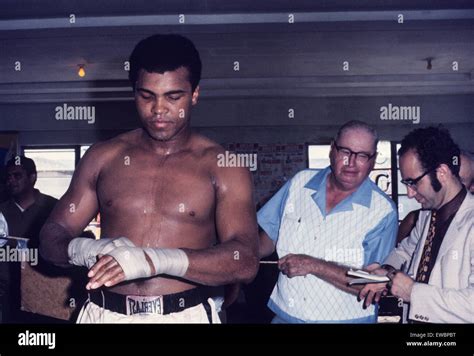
290	231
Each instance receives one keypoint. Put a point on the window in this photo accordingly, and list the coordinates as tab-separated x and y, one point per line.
83	150
382	172
318	156
55	168
405	205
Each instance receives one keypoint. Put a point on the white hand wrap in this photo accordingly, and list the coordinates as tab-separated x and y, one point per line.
83	251
173	262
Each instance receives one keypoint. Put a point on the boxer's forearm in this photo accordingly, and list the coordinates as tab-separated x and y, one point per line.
54	241
230	262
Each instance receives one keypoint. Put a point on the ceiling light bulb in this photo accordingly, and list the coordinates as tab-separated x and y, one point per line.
81	72
428	63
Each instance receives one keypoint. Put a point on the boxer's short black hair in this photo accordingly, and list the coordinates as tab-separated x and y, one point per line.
163	53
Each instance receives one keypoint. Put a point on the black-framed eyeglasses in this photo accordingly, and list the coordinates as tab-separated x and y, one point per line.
361	157
412	182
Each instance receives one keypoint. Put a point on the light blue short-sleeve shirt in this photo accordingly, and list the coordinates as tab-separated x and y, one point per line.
358	231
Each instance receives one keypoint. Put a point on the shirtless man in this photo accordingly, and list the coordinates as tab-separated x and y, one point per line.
172	220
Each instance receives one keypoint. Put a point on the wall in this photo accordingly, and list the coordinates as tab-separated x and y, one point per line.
249	120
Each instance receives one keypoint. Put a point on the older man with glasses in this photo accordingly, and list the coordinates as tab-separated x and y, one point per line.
437	285
322	223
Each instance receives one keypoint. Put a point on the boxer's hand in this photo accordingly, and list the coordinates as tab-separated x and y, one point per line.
117	242
106	272
84	251
135	262
121	264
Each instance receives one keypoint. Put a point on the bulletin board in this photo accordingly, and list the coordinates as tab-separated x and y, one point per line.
276	164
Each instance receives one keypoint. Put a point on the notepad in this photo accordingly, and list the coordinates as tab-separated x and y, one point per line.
366	277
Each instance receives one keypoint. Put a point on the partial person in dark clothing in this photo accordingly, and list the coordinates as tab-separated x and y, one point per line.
27	208
466	171
407	224
25	211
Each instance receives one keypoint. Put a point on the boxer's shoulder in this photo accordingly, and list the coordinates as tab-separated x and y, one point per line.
223	165
205	150
99	156
106	150
204	146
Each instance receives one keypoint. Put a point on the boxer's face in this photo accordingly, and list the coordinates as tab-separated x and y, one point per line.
164	102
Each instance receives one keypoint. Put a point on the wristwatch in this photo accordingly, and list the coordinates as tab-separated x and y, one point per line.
388	268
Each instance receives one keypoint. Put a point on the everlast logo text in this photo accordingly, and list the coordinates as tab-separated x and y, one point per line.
144	305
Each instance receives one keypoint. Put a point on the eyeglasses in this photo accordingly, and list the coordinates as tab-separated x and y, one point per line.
412	182
346	153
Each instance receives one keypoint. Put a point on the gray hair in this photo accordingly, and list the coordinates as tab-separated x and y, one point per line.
356	125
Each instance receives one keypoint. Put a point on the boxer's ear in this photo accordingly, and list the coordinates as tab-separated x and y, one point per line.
195	97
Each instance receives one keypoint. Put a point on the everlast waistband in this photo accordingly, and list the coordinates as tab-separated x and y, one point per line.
141	304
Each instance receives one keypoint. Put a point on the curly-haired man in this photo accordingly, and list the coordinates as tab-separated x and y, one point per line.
437	285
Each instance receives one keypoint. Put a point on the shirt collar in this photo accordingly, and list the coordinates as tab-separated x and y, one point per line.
316	183
40	200
362	196
451	208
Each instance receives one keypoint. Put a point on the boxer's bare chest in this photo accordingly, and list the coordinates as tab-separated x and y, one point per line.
151	198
